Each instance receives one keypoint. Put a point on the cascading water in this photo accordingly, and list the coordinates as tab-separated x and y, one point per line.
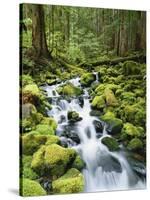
105	170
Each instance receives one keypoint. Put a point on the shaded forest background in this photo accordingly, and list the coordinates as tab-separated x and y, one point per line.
82	34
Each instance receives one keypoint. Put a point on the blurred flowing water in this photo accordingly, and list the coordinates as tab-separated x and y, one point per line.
105	170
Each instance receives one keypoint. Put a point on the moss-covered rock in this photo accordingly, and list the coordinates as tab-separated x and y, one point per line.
73	116
31	188
32	88
114	125
53	160
111	143
30	117
131	68
26	80
87	78
100	89
52	139
135	144
70	90
78	163
129	97
98	102
130	131
49	121
31	142
110	97
45	129
26	171
71	182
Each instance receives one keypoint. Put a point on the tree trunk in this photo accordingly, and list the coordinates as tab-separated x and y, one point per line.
39	43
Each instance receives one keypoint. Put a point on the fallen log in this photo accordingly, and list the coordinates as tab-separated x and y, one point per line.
138	58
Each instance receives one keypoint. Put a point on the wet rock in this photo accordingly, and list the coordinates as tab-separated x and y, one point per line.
98	126
95	113
111	143
81	101
114	125
71	132
73	116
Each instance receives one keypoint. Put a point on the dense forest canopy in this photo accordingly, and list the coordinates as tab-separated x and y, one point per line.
80	34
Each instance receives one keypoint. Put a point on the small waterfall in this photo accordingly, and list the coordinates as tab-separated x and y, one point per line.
104	170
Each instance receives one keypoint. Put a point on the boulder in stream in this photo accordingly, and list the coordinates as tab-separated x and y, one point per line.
71	182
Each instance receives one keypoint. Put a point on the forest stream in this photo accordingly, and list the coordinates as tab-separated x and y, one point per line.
104	170
82	99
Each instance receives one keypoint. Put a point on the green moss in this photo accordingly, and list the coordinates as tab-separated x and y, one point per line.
32	88
73	116
31	142
49	121
108	115
31	188
69	90
87	78
98	102
52	139
135	144
111	143
78	163
52	159
110	98
131	68
131	131
129	97
114	125
26	80
45	129
26	171
71	182
135	114
100	90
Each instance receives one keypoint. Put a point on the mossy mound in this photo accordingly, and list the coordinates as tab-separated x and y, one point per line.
111	143
135	113
26	80
45	129
131	68
31	188
98	102
70	90
73	116
31	142
110	97
53	160
32	88
135	144
114	125
49	121
26	171
87	78
71	182
78	163
128	97
30	117
32	94
130	131
52	139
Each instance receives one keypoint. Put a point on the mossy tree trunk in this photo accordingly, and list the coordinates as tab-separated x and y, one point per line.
39	43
